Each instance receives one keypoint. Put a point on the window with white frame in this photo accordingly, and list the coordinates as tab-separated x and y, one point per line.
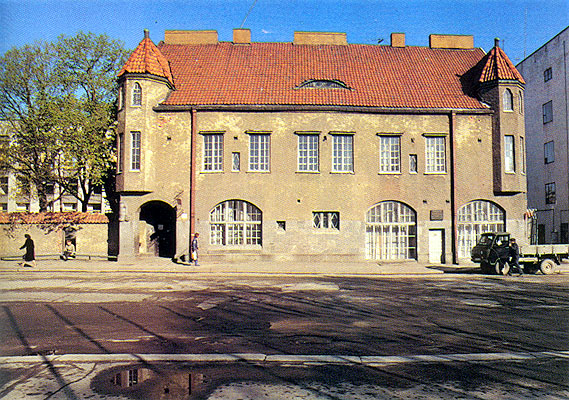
342	153
547	112
326	220
508	100
521	101
389	154
135	146
523	154
136	94
509	154
213	152
475	218
235	223
120	151
549	152
391	232
435	160
308	158
259	152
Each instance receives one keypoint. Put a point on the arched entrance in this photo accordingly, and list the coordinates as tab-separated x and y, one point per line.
157	230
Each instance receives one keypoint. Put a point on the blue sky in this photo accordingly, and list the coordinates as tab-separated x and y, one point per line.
522	25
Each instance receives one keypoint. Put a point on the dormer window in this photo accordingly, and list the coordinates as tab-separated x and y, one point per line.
136	94
323	84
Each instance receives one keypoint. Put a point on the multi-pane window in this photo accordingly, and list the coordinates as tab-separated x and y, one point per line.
235	223
3	185
509	154
475	218
343	153
549	152
213	152
326	219
135	146
508	100
547	112
236	162
435	154
523	154
308	153
136	94
259	146
547	74
550	193
391	232
389	154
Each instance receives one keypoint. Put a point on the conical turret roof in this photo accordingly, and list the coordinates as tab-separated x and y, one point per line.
497	66
148	59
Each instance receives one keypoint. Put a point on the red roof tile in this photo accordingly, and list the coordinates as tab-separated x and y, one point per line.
269	73
53	218
147	59
498	66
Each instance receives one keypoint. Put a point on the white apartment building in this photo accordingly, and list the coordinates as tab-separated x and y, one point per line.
547	118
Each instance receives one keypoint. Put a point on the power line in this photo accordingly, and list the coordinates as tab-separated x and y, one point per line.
248	12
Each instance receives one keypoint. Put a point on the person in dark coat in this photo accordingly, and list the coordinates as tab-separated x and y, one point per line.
515	256
194	249
30	256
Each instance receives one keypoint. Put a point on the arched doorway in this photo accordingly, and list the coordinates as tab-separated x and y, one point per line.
474	218
157	230
391	232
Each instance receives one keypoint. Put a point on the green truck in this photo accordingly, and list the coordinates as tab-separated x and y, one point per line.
493	253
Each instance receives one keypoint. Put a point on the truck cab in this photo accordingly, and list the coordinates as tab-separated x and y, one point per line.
491	251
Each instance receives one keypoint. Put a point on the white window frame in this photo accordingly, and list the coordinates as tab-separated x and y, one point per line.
523	154
343	153
328	220
213	152
136	100
135	150
120	145
509	154
259	152
236	223
389	154
475	218
308	152
435	154
508	100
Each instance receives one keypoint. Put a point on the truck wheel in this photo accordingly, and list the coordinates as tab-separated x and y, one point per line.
547	267
486	268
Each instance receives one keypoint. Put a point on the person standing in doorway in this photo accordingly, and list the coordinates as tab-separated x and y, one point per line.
30	256
194	249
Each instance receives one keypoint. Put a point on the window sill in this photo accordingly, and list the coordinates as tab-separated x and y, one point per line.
326	231
211	172
389	173
343	172
435	173
307	172
258	172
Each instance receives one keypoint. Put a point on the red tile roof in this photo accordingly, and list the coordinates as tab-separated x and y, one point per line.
268	74
53	218
497	66
147	59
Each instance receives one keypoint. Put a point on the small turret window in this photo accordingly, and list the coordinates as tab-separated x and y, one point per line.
521	100
136	94
323	84
508	100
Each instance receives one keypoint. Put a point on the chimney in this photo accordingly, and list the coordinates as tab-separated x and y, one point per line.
190	37
451	41
241	36
318	38
397	40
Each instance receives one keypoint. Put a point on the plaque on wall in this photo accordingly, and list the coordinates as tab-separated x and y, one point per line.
436	215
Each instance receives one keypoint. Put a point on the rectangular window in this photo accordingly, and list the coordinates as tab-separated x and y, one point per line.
3	185
548	112
413	163
236	162
547	74
135	144
326	220
389	154
550	193
308	158
435	154
259	146
213	152
549	152
523	154
343	153
120	151
3	207
509	154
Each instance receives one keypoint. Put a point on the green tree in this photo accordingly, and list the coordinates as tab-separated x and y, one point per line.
71	122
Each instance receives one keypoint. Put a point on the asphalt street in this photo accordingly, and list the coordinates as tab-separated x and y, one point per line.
212	336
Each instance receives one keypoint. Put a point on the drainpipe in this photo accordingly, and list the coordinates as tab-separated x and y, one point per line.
566	119
193	176
453	189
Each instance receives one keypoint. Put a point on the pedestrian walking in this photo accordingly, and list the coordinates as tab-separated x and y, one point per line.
194	249
515	257
30	256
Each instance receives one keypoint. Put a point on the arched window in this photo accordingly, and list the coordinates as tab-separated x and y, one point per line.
391	232
508	100
136	94
521	101
475	218
235	223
